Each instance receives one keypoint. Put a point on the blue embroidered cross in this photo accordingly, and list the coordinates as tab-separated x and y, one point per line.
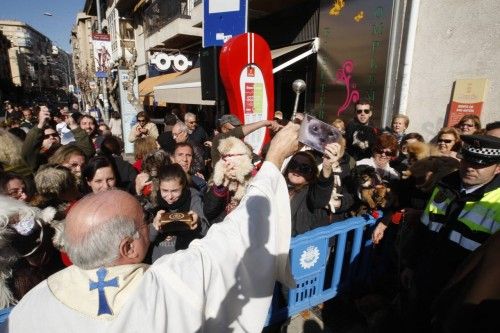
100	285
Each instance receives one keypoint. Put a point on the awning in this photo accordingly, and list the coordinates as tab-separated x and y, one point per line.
276	53
186	88
313	48
146	86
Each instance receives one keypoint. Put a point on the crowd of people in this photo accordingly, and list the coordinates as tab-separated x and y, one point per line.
65	173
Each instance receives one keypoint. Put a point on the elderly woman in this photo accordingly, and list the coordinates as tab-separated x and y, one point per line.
400	123
448	142
469	124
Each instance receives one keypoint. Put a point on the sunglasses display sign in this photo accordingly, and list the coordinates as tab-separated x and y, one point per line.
246	72
468	98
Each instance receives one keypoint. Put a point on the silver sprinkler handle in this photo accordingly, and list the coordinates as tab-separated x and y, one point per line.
298	86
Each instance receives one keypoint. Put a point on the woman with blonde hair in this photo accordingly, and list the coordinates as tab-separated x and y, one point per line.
71	157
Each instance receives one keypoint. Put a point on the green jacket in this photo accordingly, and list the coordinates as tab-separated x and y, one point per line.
33	143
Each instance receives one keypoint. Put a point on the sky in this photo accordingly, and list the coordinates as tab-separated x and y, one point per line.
56	27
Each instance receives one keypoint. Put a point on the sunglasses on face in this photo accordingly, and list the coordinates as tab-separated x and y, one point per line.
445	141
365	111
51	135
301	168
386	152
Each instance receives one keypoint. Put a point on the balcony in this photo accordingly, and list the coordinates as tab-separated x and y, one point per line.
161	13
180	25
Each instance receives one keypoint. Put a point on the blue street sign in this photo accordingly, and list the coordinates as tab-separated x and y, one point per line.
223	19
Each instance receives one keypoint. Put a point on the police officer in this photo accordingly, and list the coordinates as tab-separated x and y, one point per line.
462	213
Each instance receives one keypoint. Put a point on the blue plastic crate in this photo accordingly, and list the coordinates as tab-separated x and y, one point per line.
309	261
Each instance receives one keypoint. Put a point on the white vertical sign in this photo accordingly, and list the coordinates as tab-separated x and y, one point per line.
223	6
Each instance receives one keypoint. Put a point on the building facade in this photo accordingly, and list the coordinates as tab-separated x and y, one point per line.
28	55
416	52
5	74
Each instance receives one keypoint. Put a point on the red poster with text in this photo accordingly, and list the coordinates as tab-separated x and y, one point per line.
246	70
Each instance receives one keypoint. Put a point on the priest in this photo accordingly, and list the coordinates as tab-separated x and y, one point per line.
221	283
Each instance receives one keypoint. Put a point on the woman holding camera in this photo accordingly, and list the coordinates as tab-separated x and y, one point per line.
143	128
174	195
310	191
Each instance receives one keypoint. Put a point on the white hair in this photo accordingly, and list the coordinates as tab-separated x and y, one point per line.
182	126
99	246
189	115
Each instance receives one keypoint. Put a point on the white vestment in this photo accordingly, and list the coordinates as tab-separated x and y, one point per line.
221	283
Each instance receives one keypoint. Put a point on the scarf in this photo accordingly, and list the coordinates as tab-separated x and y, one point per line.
183	204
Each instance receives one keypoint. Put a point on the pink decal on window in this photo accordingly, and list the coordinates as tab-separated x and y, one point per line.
352	94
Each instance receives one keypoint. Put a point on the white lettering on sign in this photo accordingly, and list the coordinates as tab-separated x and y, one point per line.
221	36
222	6
162	61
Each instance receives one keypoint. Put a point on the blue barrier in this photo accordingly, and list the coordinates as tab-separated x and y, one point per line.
4	314
309	257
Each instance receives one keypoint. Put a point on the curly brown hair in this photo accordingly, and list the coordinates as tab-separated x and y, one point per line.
386	141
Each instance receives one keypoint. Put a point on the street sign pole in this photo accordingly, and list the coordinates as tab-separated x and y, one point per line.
222	20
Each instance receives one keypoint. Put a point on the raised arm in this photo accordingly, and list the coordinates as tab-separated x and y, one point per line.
249	128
